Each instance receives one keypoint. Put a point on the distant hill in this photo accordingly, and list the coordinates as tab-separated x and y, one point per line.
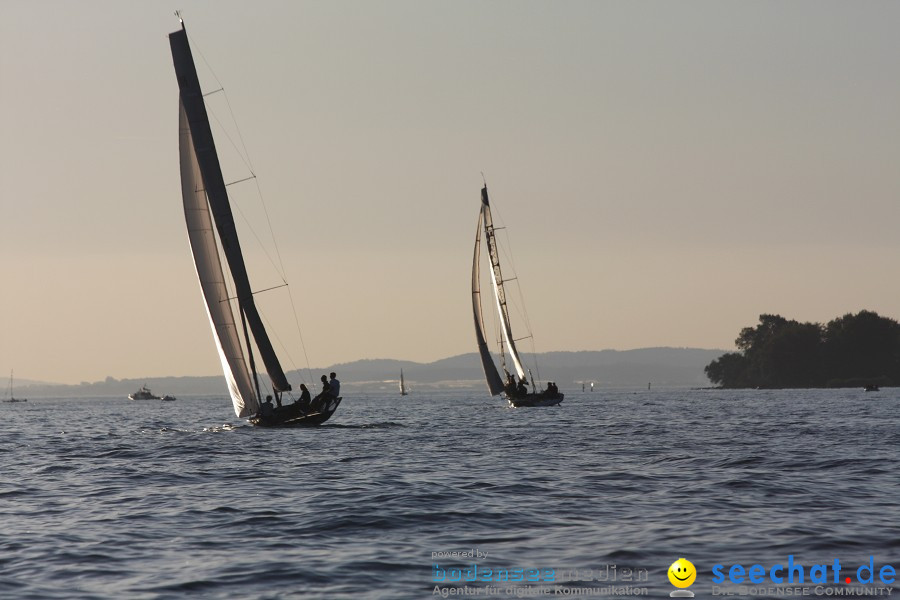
663	367
671	367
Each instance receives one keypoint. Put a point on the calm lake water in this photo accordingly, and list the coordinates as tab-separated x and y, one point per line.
111	498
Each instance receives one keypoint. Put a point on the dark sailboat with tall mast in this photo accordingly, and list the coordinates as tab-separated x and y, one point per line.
513	385
9	392
211	227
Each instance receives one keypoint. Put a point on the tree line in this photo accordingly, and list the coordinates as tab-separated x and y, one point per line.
850	351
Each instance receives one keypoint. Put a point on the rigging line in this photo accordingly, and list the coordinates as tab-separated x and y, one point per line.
279	267
273	331
269	289
245	157
262	201
300	333
525	317
221	89
519	305
238	151
250	352
199	51
244	153
259	241
252	176
283	274
238	129
506	250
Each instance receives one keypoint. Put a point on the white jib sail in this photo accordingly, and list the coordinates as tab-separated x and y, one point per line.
212	278
504	321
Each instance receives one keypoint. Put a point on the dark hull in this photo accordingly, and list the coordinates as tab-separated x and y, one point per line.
530	400
293	416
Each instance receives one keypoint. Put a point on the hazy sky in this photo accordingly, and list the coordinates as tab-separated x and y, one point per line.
667	171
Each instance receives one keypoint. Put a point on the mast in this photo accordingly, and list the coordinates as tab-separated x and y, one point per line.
497	281
213	185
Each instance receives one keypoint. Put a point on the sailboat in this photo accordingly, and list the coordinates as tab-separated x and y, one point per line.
403	391
9	392
206	203
516	391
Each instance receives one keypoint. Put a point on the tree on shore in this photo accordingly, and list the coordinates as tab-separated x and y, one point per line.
781	353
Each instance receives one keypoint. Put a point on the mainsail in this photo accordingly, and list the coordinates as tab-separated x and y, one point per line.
494	381
205	202
212	278
497	282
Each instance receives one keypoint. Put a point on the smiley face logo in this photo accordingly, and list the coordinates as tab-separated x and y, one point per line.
682	573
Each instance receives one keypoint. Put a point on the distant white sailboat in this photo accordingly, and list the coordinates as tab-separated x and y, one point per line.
516	392
210	225
403	391
9	392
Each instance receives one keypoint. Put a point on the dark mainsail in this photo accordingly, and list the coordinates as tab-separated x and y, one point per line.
492	376
214	184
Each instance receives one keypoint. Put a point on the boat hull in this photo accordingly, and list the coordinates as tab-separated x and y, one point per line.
530	400
293	416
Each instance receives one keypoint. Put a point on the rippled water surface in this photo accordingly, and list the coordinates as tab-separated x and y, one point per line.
111	498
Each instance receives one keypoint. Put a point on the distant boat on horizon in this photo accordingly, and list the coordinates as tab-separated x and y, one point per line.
212	232
516	392
9	392
402	385
143	394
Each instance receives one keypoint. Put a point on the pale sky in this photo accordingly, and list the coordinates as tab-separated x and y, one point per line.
667	171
